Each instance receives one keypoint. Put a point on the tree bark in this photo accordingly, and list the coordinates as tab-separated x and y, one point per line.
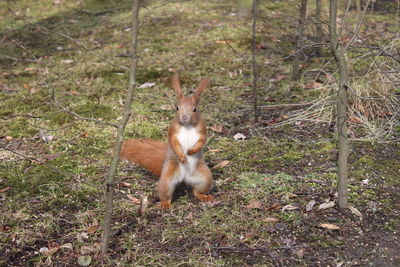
339	54
318	26
300	40
120	131
254	63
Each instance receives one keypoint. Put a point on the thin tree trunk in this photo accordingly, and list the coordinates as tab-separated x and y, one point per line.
339	54
120	131
319	26
254	63
300	40
358	12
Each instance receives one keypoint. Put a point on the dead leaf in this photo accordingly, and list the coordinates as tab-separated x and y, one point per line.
217	128
254	204
285	117
26	86
125	184
67	245
92	229
239	136
326	205
51	251
222	41
67	61
133	199
5	189
74	92
310	205
214	150
5	228
9	138
300	253
271	219
312	85
290	207
329	226
356	212
221	165
213	203
275	206
144	202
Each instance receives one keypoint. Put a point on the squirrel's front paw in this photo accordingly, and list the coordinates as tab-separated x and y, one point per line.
183	159
192	151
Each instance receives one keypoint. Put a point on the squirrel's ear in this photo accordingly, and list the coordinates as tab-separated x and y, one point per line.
176	84
204	83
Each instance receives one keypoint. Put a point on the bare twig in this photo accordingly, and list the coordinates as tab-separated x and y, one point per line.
121	127
357	28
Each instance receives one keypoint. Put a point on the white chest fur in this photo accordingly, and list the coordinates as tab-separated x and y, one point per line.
188	137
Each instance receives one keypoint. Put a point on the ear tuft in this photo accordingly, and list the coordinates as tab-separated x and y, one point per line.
176	84
204	83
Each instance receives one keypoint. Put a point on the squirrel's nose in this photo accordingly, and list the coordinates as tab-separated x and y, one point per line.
184	117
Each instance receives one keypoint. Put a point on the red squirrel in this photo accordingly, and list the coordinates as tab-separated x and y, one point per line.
181	159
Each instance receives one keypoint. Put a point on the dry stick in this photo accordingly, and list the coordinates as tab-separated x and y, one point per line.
358	27
253	51
121	127
339	54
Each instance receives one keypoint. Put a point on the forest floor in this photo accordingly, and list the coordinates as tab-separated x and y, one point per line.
275	191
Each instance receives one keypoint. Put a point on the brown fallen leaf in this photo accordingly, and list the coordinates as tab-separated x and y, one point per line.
222	41
92	229
9	138
51	251
221	165
254	204
312	85
329	226
5	189
135	200
356	212
290	207
125	184
213	203
271	219
326	205
214	150
310	205
275	206
217	128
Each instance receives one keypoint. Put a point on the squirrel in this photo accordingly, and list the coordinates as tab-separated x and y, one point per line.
181	158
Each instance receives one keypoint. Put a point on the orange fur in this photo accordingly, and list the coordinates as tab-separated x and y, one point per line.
147	153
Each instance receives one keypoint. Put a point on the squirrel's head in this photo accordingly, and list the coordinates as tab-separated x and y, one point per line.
187	107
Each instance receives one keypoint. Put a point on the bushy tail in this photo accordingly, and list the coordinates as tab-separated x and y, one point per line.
147	153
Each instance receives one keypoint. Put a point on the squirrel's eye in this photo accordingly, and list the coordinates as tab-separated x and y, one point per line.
194	110
176	107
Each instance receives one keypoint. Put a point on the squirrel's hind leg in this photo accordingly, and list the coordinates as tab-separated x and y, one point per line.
166	185
201	182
